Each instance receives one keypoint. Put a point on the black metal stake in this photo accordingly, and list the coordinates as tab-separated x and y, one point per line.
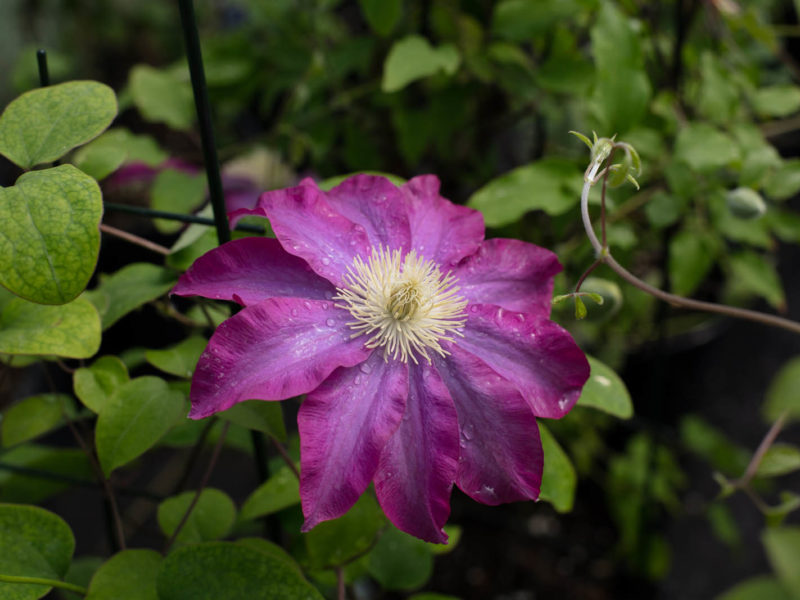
41	60
195	58
162	214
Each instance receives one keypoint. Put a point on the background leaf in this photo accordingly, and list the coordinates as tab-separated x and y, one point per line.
400	561
280	491
95	384
559	478
128	575
782	392
382	15
414	58
211	518
162	97
783	550
606	391
32	417
179	359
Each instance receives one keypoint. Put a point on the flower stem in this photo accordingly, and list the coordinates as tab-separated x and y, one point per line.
43	581
604	256
758	455
195	58
285	456
134	239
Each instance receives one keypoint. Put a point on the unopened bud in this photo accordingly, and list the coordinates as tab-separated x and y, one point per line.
746	203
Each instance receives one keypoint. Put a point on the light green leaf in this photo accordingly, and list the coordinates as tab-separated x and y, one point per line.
230	571
18	487
32	417
179	359
703	148
259	415
763	587
691	256
780	459
712	445
43	124
138	413
453	538
400	561
785	181
128	575
524	20
546	185
94	385
280	491
724	525
751	273
335	542
606	391
70	330
777	100
106	150
413	58
162	97
782	392
382	15
33	543
99	159
129	288
211	518
559	478
49	234
783	550
331	182
178	192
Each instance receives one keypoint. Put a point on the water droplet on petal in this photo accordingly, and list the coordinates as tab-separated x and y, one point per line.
468	432
563	403
326	261
330	322
357	380
294	312
473	308
324	306
365	368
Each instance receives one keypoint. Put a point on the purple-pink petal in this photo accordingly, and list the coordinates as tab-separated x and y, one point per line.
309	227
540	358
419	463
276	349
250	270
377	205
344	425
501	454
509	273
440	230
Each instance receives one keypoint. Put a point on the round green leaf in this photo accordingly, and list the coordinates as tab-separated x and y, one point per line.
258	415
179	359
210	519
228	571
558	479
783	550
753	274
70	330
176	191
162	97
785	181
276	493
691	256
382	15
764	587
777	100
703	148
780	459
43	124
33	543
134	419
782	393
414	58
32	417
94	385
606	391
49	234
72	463
400	561
128	575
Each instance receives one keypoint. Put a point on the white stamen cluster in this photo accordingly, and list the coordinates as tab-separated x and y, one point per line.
403	303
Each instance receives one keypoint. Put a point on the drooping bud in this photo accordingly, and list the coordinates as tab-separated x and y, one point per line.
746	203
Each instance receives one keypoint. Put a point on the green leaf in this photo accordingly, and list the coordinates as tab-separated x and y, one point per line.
280	491
382	15
211	518
33	543
162	97
453	538
606	391
430	596
524	20
178	192
32	417
333	543
782	392
103	152
547	185
134	419
49	234
128	575
413	58
558	478
259	415
580	308
691	256
180	359
270	549
785	181
70	330
94	385
713	446
777	100
783	550
129	288
18	487
703	148
780	459
99	159
44	124
724	525
80	572
400	561
763	587
229	571
751	273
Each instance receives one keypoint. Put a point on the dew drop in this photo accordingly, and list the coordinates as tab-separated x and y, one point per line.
329	295
563	403
330	322
326	261
365	368
473	308
294	312
324	306
357	380
468	432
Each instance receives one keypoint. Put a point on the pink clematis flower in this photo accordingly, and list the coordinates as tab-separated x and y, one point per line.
425	351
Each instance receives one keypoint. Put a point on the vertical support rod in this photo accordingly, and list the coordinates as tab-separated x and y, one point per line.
195	58
41	60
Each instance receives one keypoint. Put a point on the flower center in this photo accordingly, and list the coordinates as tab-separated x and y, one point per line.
404	304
